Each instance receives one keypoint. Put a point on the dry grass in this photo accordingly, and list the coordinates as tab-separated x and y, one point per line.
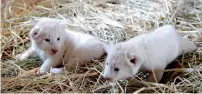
110	20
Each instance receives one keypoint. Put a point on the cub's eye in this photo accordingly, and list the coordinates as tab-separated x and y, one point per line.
47	40
35	33
58	38
116	69
107	63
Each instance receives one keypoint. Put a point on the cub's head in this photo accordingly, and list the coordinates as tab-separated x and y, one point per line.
121	63
48	35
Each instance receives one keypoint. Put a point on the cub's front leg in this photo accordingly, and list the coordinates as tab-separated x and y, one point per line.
25	54
48	63
151	78
158	75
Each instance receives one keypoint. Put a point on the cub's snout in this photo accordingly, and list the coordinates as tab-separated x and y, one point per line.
54	51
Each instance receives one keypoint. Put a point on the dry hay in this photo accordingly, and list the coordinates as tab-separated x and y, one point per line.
110	20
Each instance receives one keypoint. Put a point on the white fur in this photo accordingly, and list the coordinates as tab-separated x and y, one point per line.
84	48
152	51
71	46
57	70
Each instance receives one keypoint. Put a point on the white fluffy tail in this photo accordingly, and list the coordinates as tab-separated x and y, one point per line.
187	45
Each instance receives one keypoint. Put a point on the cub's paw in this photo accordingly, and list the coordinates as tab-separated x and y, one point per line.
57	70
42	72
20	57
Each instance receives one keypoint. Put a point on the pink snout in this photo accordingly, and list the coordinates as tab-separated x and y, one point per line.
54	51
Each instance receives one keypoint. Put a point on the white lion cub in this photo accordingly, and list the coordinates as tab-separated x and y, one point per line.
146	52
55	44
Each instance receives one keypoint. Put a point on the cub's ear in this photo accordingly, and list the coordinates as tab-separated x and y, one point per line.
132	58
133	61
34	33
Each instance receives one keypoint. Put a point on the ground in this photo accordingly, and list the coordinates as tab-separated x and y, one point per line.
110	20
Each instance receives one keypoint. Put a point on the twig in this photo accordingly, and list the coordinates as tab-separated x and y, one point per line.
102	87
180	70
82	75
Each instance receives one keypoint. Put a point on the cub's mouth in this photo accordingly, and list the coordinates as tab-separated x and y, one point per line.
53	51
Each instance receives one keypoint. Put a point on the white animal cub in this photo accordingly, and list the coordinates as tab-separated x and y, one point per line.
55	44
146	52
